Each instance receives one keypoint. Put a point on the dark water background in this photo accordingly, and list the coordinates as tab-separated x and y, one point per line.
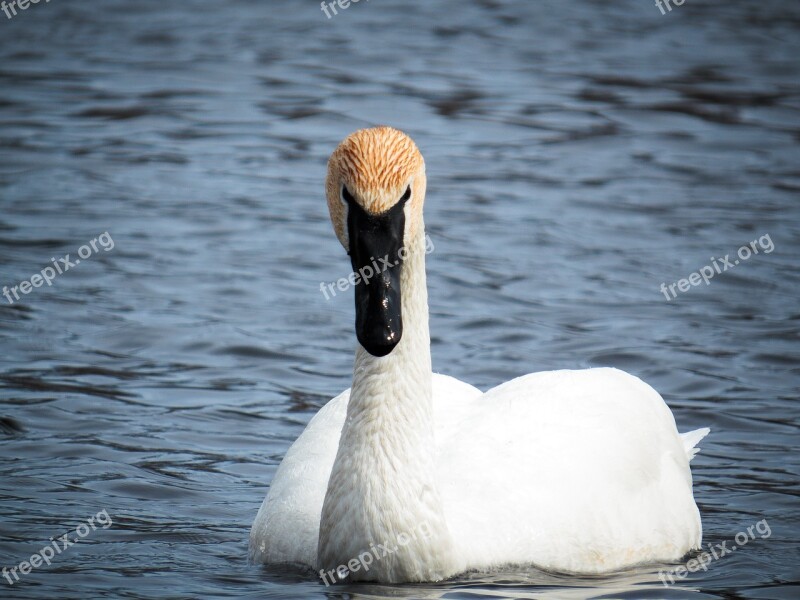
579	154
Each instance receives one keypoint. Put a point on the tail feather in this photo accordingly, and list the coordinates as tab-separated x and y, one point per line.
691	439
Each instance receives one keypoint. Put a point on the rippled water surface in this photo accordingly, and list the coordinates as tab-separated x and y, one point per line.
579	154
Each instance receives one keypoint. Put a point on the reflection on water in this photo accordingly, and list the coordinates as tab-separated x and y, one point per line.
578	156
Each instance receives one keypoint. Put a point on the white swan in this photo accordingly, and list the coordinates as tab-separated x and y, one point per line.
414	476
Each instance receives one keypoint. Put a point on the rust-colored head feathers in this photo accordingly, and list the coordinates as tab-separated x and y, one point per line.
376	165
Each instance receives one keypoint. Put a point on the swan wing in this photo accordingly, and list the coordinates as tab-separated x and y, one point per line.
450	399
691	439
576	471
286	529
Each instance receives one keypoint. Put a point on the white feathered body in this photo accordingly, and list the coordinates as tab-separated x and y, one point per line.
574	471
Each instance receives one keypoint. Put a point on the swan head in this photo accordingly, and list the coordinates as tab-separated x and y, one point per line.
375	189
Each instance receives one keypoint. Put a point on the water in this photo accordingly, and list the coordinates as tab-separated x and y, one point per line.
579	155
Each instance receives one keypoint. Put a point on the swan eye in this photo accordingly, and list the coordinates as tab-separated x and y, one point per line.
347	196
406	195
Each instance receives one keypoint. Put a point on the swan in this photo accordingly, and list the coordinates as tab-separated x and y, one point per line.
412	476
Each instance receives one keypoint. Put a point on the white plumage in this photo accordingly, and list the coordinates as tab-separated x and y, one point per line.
572	471
541	470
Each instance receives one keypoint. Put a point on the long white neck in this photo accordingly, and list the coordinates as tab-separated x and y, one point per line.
398	386
382	487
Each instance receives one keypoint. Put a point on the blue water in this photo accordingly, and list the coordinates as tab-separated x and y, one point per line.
579	155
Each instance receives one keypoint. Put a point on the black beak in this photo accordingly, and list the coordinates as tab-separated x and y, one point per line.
375	241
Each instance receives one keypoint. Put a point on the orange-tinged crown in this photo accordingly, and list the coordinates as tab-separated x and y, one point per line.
376	165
